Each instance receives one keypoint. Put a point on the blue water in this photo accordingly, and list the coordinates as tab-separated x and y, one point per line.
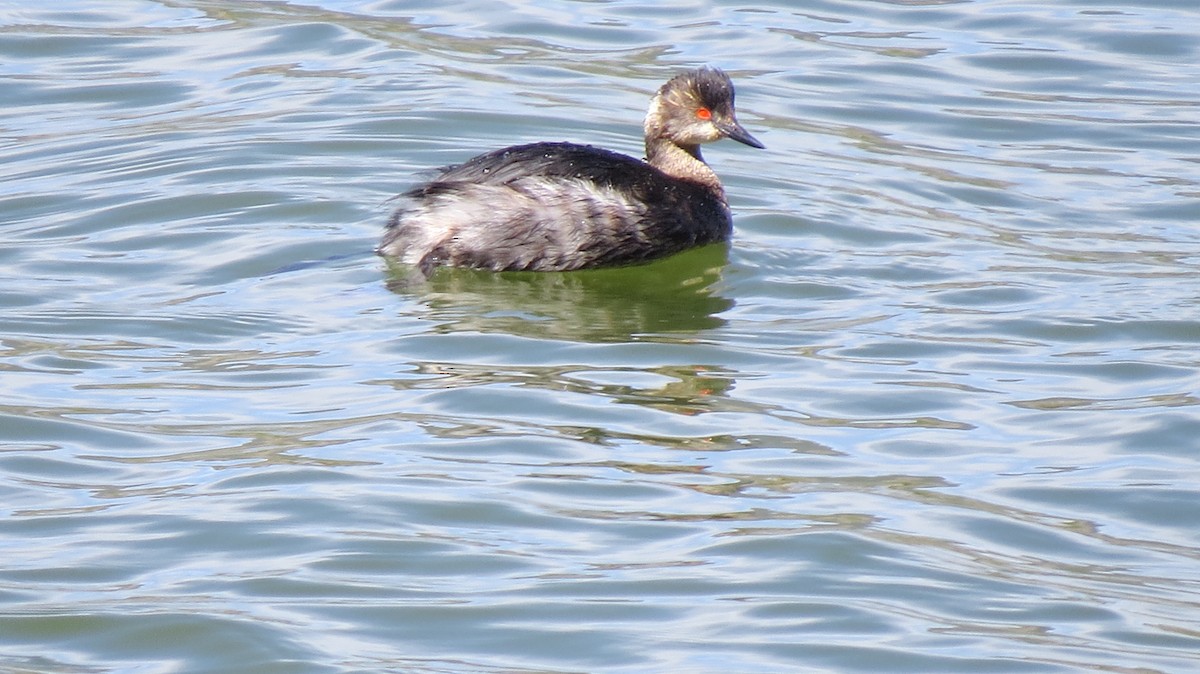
935	408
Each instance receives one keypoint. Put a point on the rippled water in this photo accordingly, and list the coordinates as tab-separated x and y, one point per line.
934	410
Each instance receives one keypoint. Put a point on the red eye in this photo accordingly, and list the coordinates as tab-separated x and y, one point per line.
703	113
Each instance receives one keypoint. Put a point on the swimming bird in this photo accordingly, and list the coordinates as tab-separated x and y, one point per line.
555	206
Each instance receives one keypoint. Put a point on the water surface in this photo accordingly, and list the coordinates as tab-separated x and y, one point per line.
933	410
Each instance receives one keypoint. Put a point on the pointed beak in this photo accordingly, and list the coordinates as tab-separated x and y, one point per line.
732	129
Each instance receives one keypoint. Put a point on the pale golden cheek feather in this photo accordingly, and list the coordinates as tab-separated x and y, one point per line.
562	206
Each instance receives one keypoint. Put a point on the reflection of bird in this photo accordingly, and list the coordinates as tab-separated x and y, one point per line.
562	206
678	296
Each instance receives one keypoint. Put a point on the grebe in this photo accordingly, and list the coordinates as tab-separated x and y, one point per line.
562	206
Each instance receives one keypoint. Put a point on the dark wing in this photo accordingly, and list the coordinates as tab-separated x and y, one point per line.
554	160
638	181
